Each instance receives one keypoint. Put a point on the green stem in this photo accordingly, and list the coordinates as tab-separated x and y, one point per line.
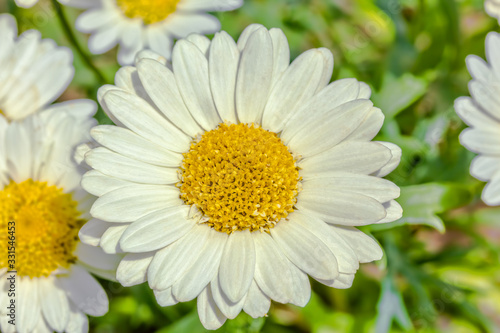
72	39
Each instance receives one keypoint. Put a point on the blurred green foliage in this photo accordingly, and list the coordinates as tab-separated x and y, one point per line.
411	52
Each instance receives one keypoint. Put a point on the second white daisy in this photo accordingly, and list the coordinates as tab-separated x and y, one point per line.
235	175
481	113
147	24
33	72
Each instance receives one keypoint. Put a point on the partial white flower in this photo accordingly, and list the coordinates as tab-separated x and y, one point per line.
147	24
482	114
232	174
492	8
33	72
42	202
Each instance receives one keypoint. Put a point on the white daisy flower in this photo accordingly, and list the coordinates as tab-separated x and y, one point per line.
146	24
35	72
233	175
41	196
482	114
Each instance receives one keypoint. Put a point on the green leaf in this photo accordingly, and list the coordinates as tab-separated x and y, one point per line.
391	307
397	94
422	203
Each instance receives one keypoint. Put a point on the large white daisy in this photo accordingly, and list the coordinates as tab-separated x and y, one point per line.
41	197
232	174
33	72
147	24
482	114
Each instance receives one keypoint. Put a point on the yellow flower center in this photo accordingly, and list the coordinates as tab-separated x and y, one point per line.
46	224
150	11
240	177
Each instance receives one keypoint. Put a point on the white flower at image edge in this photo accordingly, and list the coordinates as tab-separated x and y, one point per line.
232	174
482	113
33	72
146	24
492	8
40	192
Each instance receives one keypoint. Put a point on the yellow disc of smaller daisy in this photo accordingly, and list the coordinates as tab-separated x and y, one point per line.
46	227
240	177
150	11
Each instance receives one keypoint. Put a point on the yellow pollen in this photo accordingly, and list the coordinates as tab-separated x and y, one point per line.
150	11
240	177
46	227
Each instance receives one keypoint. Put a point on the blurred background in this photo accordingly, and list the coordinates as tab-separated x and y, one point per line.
441	269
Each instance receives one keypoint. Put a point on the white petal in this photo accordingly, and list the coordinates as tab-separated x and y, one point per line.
119	166
478	68
281	53
380	189
365	247
473	116
130	203
393	162
481	141
237	266
304	249
343	281
28	304
149	54
256	303
111	238
129	144
486	96
95	258
159	41
325	102
253	81
133	268
85	292
329	131
394	212
201	42
340	207
356	157
484	167
202	271
245	35
301	287
54	304
161	86
272	270
491	192
209	5
181	24
143	119
191	73
228	308
78	321
295	86
210	316
170	263
93	19
369	127
92	231
165	297
346	257
223	67
104	40
157	230
98	184
364	91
